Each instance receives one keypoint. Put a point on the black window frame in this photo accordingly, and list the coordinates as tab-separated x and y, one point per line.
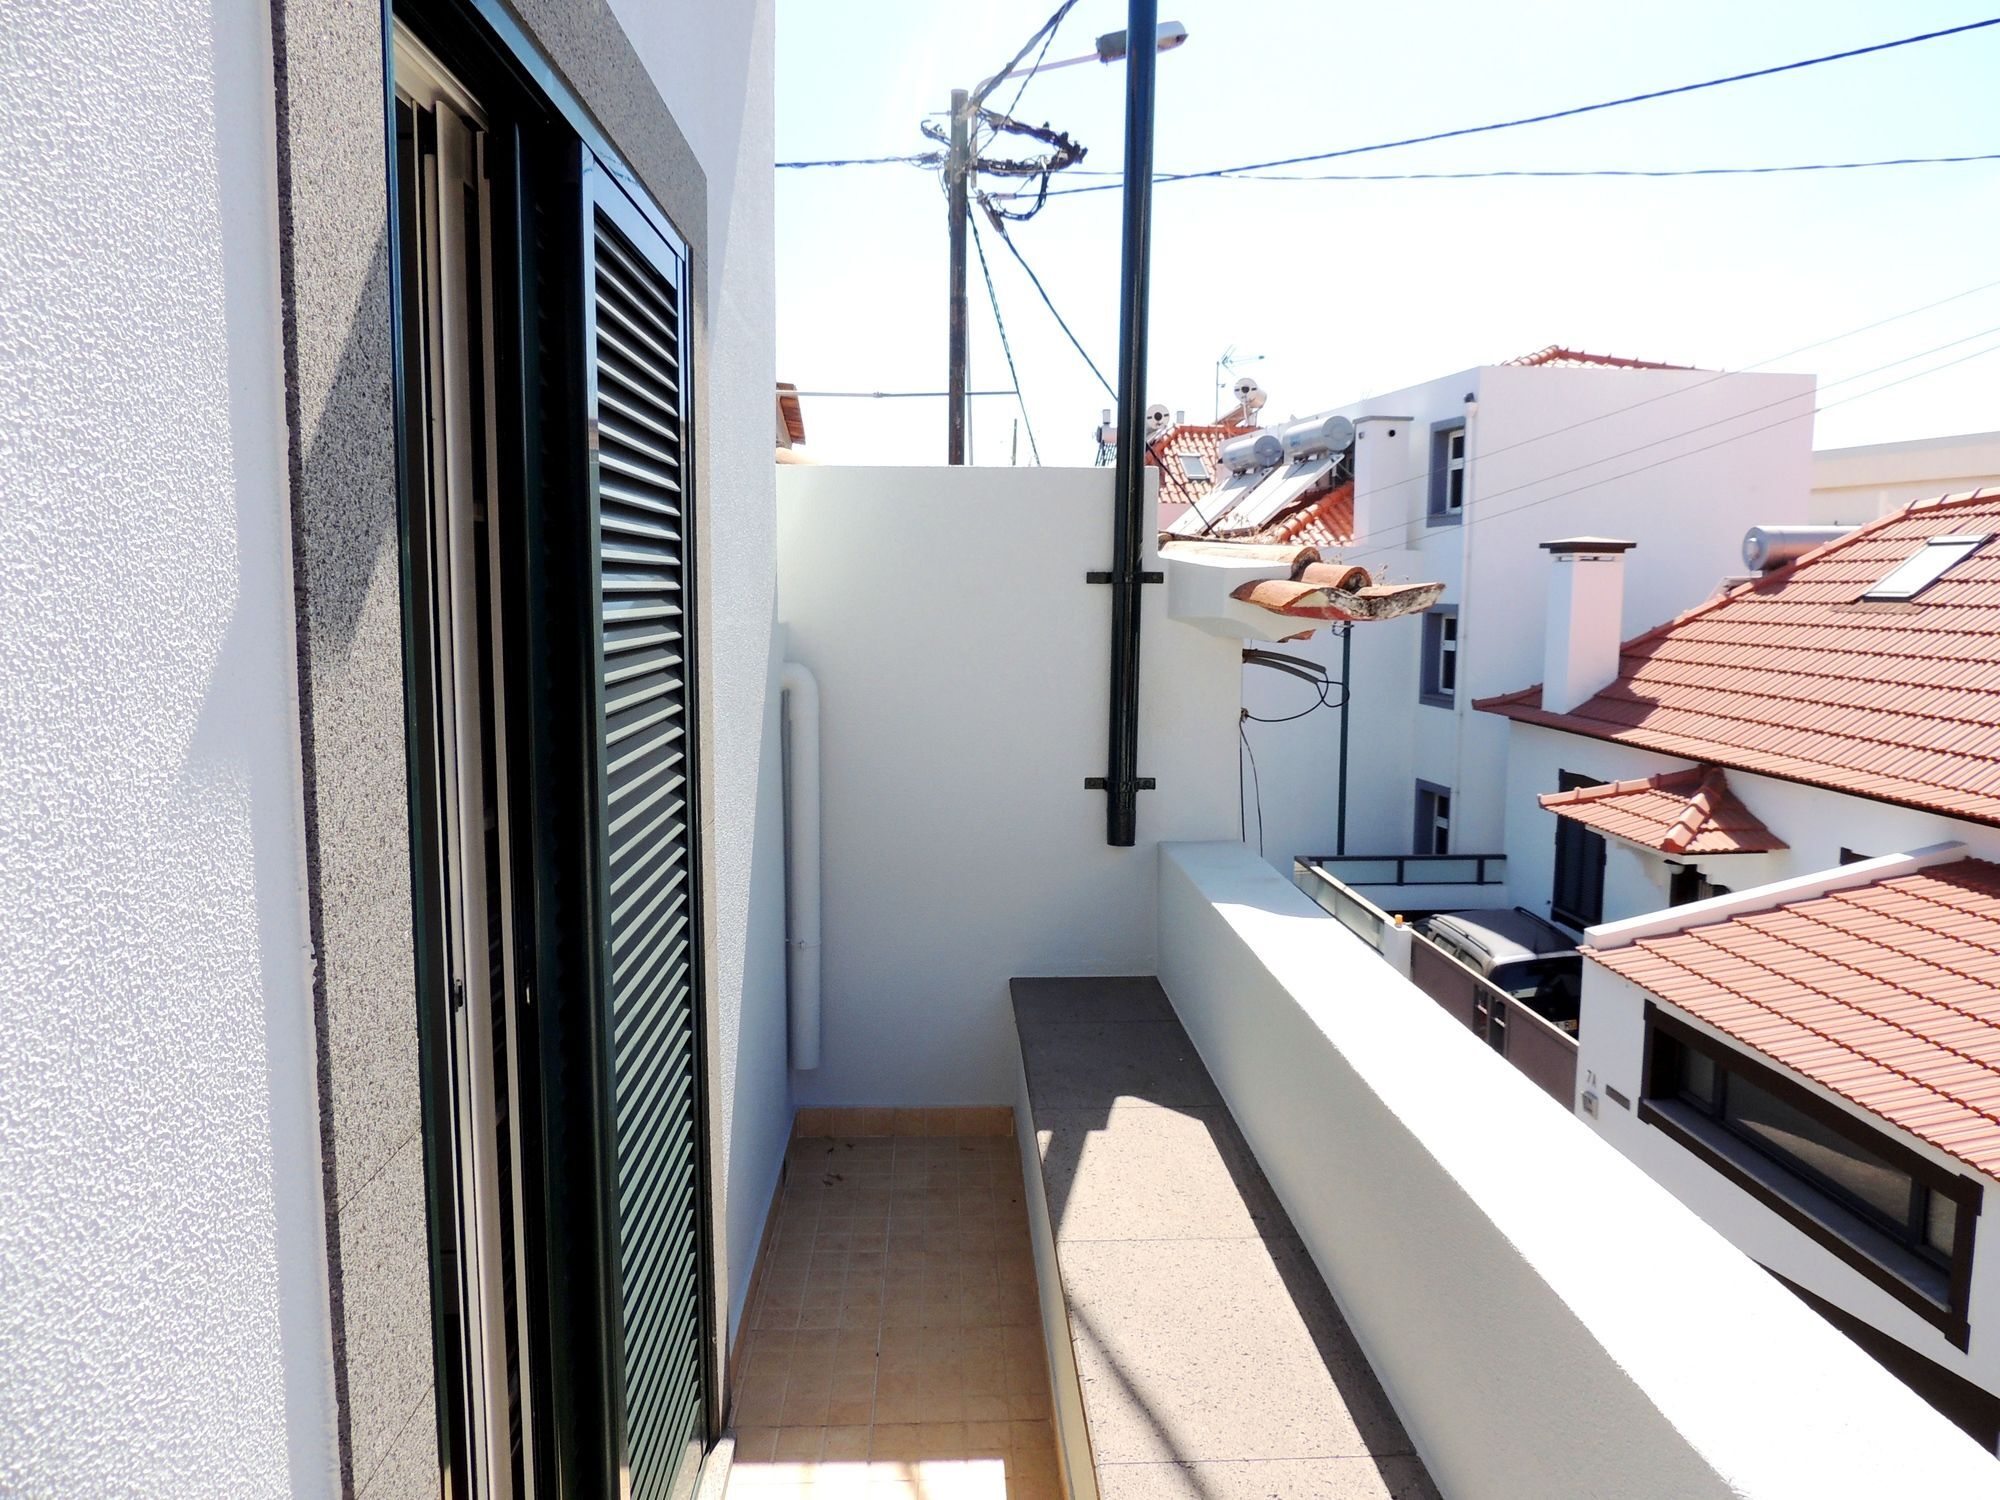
1858	1233
1433	688
1575	842
1687	884
1440	510
1433	805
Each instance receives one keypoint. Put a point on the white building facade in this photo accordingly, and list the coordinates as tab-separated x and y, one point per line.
1459	480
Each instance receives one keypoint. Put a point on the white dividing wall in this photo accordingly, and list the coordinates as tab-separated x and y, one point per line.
1853	485
163	1293
1545	1317
1680	461
963	668
713	66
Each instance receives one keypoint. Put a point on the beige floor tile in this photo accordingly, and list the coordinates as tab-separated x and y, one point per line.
895	1347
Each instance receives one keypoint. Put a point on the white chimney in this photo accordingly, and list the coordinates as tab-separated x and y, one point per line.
1581	639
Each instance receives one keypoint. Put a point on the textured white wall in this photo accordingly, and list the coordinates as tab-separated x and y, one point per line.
713	67
1527	1305
163	1306
963	671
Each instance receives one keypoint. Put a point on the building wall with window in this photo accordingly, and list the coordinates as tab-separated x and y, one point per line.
1817	825
1680	461
214	1241
1613	1057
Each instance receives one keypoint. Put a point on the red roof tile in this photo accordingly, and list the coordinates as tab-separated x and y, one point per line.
1558	355
1200	440
1888	994
1676	812
1793	676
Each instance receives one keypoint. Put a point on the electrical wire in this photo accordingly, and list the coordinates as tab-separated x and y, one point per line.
1735	437
1076	343
1556	114
1685	390
1048	37
1255	781
920	159
1551	172
1005	348
1047	30
1735	416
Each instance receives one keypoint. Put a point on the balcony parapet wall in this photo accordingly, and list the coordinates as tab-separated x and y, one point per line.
1546	1319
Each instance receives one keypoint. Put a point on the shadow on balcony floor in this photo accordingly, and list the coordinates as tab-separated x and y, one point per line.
894	1345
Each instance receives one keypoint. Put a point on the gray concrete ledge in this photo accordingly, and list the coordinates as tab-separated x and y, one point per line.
1210	1359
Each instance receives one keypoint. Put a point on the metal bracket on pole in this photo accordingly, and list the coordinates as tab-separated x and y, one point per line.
1102	575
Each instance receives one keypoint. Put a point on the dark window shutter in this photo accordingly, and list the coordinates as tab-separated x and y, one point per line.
647	896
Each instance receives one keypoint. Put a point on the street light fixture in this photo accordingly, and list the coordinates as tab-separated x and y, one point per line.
959	170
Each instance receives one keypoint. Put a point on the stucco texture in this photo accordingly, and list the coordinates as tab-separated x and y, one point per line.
163	1306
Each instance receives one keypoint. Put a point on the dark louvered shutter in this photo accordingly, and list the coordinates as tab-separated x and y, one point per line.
647	896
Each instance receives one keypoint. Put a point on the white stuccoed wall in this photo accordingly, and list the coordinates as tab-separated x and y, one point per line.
963	670
1853	485
1546	1318
163	1305
713	66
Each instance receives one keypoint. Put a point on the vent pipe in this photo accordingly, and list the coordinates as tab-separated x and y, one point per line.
802	963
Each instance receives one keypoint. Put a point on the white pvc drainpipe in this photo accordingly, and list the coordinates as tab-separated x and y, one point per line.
800	693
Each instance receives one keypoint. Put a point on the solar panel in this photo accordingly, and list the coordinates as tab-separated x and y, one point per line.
1279	490
1201	516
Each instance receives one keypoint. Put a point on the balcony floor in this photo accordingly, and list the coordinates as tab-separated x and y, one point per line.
895	1345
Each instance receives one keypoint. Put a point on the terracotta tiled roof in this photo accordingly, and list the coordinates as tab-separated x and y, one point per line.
1575	359
1556	354
1327	520
1888	994
1201	440
1792	676
1676	812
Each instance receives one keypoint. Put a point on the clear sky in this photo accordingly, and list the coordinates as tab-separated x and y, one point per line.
1352	289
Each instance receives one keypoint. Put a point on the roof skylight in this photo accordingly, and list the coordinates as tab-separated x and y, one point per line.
1924	567
1194	468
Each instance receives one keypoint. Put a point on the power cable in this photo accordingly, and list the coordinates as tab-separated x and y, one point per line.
1046	30
1255	781
920	159
1735	416
1674	457
1230	175
1048	37
1076	343
1558	114
1686	390
1005	348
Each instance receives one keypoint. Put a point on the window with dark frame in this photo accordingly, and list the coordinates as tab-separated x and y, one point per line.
1686	884
1894	1214
1438	676
1577	897
1433	825
1447	500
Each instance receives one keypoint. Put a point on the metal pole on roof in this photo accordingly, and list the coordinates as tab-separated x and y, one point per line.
1122	783
1346	703
958	167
